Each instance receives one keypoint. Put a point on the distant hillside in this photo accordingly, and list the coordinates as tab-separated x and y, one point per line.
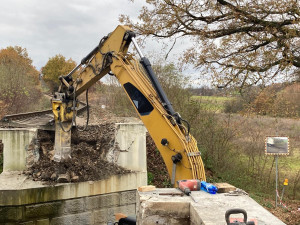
278	100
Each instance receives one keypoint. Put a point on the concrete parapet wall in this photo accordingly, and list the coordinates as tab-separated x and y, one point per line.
30	203
15	142
28	192
154	209
98	209
21	147
130	140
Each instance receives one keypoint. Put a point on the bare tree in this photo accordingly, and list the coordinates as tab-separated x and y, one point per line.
242	42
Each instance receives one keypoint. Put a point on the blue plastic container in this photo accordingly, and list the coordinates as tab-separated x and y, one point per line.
208	187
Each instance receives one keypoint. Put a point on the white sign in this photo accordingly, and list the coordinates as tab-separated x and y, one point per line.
277	146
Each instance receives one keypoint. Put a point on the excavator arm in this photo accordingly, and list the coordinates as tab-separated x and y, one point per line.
174	141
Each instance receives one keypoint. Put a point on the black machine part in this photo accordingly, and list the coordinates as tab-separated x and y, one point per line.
237	211
129	220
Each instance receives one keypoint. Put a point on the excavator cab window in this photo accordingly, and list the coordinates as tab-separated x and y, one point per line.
141	103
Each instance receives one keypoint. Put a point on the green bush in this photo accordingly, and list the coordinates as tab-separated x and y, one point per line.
150	178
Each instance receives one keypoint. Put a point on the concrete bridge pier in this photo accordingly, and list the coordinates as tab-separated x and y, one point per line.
27	202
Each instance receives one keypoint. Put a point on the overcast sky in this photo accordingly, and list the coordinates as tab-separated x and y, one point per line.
73	28
49	27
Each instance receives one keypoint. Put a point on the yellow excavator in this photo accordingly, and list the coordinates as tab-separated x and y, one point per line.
169	131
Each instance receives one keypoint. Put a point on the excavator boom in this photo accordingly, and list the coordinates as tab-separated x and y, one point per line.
174	141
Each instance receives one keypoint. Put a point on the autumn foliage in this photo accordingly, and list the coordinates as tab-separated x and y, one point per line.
18	81
56	66
278	100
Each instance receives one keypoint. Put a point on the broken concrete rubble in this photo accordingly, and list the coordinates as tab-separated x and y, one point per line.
87	162
90	150
89	202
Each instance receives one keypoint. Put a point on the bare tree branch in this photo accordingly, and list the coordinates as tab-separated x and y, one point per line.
241	42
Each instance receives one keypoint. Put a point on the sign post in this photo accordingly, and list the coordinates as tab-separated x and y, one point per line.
276	180
276	146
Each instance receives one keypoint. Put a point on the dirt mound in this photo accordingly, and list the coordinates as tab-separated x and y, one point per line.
289	215
157	170
88	158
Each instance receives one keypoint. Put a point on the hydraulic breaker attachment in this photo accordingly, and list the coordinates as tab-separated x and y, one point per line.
62	146
63	114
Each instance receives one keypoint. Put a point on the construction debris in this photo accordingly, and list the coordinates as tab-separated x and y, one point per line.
236	192
88	158
146	188
172	194
224	187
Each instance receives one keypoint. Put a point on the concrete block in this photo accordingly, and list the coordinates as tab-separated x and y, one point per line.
109	200
76	219
100	216
8	214
128	209
125	209
128	197
43	210
43	222
111	213
74	206
93	202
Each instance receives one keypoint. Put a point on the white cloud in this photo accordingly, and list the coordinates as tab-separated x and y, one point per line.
71	28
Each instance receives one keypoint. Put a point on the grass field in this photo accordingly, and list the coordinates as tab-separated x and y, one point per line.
212	103
252	129
249	127
249	143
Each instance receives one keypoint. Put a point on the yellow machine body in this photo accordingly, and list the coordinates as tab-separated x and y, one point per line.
144	98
